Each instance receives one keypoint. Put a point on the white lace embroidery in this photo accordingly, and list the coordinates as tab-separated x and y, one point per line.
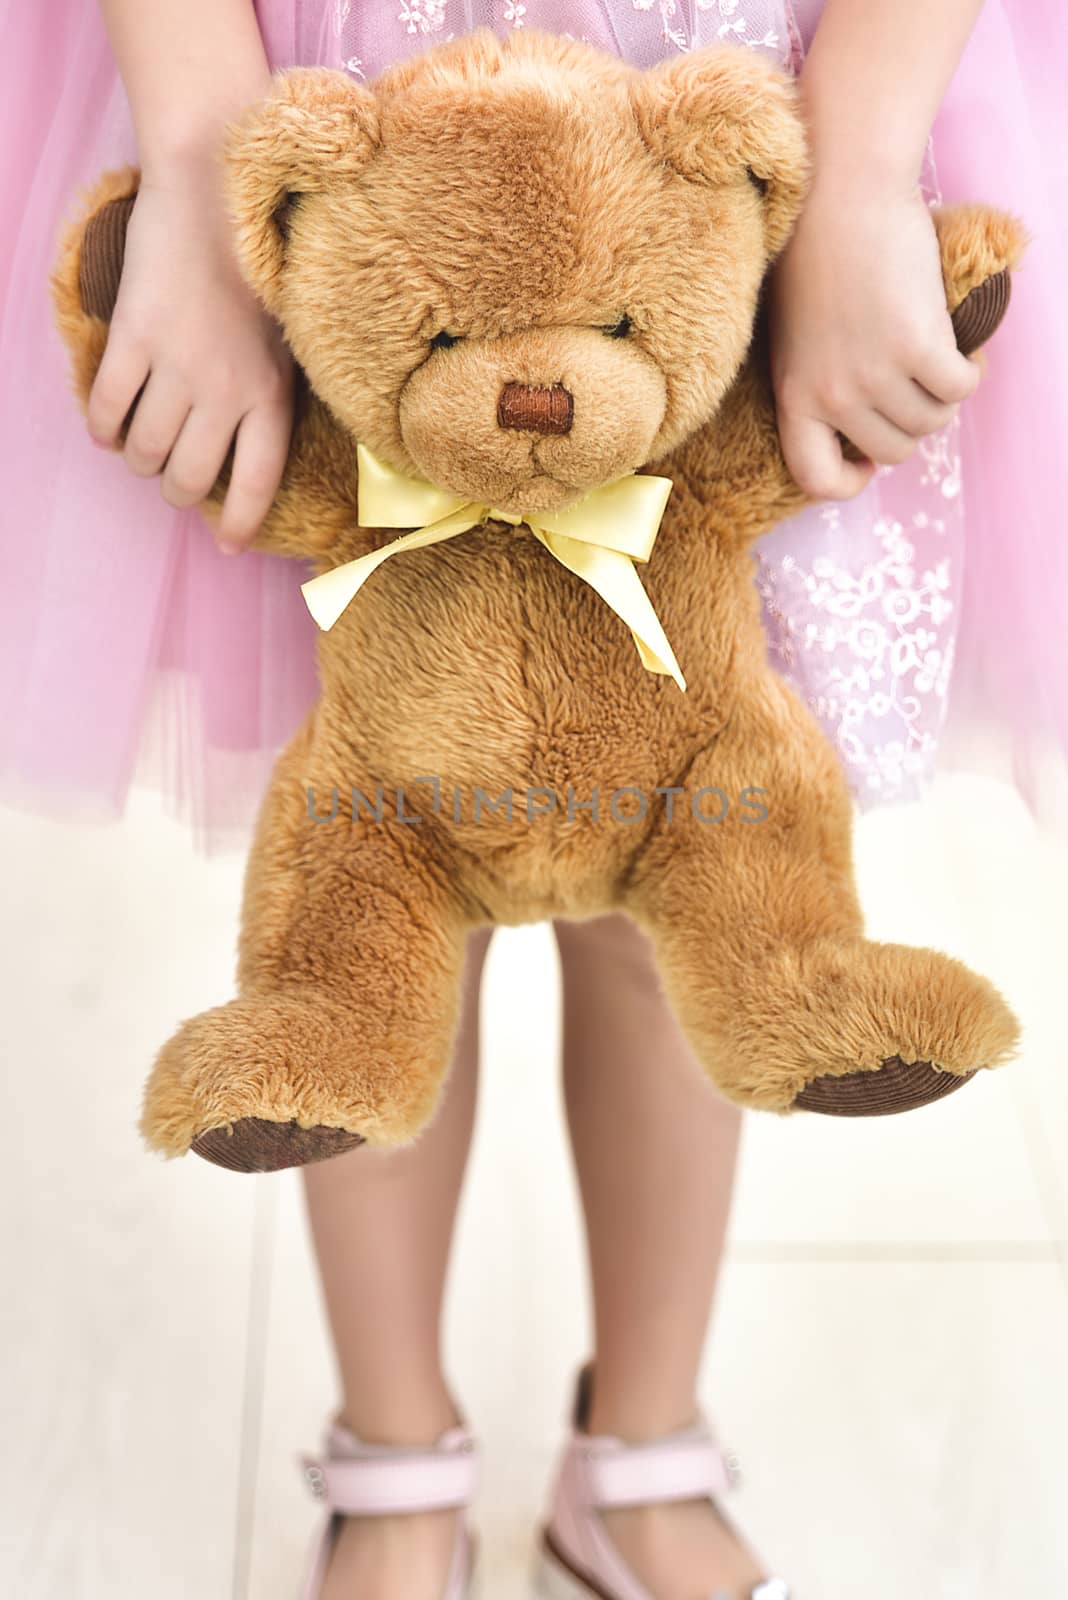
720	21
642	30
735	25
860	606
870	643
422	16
339	18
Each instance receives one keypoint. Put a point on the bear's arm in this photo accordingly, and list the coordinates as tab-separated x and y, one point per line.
734	465
314	511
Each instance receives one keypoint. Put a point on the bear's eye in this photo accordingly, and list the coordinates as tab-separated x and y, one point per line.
443	340
620	329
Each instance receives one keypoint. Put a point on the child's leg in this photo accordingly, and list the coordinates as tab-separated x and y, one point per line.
382	1225
655	1150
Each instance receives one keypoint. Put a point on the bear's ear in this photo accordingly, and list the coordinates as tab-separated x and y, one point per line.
316	129
725	113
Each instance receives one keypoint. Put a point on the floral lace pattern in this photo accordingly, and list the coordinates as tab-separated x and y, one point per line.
737	23
863	625
365	37
860	603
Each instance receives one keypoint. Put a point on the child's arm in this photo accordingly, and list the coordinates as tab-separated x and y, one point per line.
188	342
861	340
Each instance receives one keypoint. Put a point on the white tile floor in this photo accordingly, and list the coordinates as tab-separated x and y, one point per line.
891	1343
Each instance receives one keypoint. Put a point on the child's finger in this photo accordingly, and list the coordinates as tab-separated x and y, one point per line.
259	461
914	410
878	438
157	422
121	374
947	375
813	453
196	460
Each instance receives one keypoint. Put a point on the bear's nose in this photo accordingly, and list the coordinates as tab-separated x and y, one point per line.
536	410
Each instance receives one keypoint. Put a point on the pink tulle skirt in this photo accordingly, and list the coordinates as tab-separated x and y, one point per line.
926	617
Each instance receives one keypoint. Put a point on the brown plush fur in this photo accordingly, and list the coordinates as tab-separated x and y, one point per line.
527	197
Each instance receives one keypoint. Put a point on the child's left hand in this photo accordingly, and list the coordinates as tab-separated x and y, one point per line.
862	343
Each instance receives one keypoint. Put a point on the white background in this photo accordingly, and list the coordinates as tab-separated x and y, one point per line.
889	1350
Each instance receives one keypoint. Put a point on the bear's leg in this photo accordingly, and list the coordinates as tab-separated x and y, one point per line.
759	939
352	951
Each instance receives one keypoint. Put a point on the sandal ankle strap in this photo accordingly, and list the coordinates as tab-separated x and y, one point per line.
384	1480
688	1466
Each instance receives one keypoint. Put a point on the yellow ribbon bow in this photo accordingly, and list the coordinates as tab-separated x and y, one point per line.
599	540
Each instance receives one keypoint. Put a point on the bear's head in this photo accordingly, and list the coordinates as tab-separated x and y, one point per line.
520	269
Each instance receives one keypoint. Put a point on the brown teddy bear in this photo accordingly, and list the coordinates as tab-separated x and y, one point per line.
513	274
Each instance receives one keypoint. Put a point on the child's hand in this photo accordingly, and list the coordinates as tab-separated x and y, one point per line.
205	364
862	344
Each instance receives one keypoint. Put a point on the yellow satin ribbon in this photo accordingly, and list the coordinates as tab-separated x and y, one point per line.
599	540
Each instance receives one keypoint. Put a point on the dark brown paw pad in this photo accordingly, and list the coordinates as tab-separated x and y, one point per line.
100	262
253	1144
897	1086
982	312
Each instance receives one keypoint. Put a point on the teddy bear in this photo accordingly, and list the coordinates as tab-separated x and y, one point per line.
522	283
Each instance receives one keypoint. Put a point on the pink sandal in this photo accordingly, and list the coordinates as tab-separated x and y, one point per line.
354	1479
597	1473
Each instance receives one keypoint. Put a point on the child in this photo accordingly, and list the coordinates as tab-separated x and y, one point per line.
122	595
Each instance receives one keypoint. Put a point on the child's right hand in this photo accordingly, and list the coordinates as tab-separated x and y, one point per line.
205	365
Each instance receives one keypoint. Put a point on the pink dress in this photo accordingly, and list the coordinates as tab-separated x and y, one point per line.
926	616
